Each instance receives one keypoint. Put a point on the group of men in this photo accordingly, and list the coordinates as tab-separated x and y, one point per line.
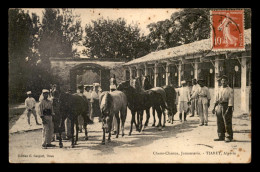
198	100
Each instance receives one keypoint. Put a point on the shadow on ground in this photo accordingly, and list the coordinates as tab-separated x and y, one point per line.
148	136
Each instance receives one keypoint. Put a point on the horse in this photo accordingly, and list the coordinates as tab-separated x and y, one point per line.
171	102
111	103
138	101
169	95
72	106
147	86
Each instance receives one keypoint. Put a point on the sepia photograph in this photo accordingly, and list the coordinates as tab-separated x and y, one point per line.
129	85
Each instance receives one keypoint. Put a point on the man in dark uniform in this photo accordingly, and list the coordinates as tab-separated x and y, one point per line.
225	104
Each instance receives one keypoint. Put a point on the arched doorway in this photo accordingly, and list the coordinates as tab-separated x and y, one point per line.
88	73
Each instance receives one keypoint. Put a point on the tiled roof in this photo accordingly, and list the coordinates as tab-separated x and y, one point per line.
186	49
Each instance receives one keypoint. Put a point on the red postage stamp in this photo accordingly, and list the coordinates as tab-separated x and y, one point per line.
227	30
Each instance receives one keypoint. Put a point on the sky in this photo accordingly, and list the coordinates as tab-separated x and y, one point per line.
142	16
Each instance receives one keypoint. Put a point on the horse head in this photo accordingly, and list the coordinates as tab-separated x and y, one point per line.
106	109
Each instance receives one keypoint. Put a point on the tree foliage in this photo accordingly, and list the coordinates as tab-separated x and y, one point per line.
185	26
107	38
31	43
60	30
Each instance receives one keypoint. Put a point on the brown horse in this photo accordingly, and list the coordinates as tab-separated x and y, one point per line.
138	101
145	85
169	97
72	106
111	103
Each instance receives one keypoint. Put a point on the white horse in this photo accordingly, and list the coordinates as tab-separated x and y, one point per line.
111	103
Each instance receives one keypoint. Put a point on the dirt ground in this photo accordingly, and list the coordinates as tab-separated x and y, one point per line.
181	142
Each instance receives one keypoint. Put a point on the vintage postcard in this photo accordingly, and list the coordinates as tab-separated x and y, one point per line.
129	85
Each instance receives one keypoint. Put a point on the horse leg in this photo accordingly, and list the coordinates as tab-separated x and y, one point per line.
164	116
147	117
85	127
132	121
154	121
138	122
123	118
159	113
118	124
77	131
141	121
60	131
109	136
72	132
104	136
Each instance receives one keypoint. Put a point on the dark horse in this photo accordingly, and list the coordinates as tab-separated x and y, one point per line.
170	98
111	103
138	101
71	106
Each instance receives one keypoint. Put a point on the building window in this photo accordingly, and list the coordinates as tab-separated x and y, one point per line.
161	76
206	71
134	73
187	72
232	69
127	77
174	76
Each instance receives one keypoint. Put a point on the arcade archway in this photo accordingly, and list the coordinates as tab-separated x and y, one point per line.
88	73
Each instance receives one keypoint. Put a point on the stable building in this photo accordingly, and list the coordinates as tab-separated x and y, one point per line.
197	60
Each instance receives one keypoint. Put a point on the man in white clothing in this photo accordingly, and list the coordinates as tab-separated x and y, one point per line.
194	102
30	107
183	100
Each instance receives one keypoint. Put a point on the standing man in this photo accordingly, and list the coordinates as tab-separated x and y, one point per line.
87	94
95	109
183	99
80	118
46	113
113	86
113	83
194	102
225	104
30	107
203	96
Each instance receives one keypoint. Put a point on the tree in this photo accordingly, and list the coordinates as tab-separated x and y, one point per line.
185	26
20	47
107	38
60	30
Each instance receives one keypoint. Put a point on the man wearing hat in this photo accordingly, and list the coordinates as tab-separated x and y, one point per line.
223	108
113	83
46	113
194	101
95	109
30	107
183	99
203	96
87	94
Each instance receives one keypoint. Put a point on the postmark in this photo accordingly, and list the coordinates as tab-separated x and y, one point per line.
227	32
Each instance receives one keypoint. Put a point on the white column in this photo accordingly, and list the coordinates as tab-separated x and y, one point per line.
155	74
216	74
244	102
131	72
196	69
146	70
167	74
179	73
138	71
